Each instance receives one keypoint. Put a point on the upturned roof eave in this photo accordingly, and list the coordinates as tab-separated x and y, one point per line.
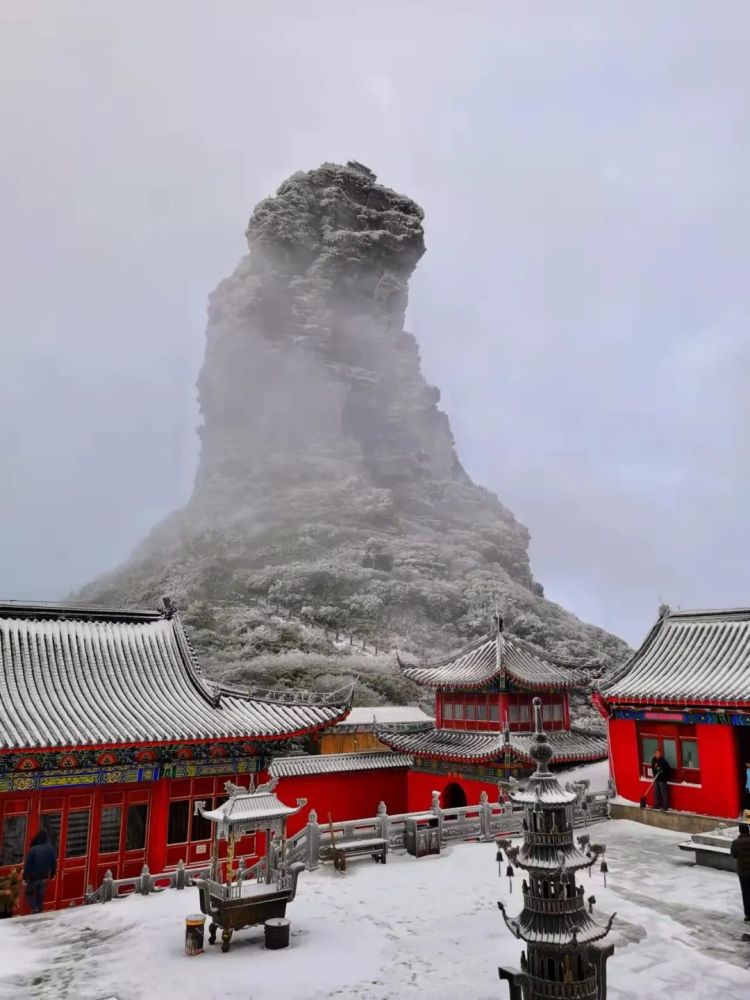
564	675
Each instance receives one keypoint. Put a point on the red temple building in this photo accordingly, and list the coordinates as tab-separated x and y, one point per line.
483	728
109	734
687	692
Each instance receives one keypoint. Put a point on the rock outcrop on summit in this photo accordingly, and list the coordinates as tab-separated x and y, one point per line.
328	484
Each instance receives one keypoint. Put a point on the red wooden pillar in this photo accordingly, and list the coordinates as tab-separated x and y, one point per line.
504	702
438	709
566	710
156	848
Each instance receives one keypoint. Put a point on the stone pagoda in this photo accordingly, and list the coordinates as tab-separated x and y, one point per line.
561	959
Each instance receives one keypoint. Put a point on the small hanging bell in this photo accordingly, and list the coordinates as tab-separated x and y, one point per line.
603	868
499	855
510	873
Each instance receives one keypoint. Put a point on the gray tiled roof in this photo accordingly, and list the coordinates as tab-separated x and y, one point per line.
491	658
81	677
689	656
253	806
460	744
540	928
574	744
293	767
368	718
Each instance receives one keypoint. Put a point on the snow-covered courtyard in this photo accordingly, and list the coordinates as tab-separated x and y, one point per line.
415	928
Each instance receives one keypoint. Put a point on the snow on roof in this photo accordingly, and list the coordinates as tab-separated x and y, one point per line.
385	715
72	676
333	763
493	657
250	808
689	656
459	744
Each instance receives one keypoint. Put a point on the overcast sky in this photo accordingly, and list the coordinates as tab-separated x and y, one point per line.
582	305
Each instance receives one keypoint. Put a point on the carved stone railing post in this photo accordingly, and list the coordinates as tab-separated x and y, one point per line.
312	841
485	818
383	821
180	878
107	886
144	882
435	808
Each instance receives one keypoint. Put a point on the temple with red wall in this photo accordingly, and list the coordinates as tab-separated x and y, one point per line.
483	718
109	734
686	691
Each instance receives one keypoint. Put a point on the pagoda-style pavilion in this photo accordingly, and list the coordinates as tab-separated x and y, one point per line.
483	708
246	811
109	733
231	905
562	959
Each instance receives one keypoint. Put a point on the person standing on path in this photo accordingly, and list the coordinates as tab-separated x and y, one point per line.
740	851
41	864
662	772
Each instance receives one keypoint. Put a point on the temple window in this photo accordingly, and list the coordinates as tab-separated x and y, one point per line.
679	745
109	829
494	713
448	710
177	826
13	839
135	828
200	827
552	711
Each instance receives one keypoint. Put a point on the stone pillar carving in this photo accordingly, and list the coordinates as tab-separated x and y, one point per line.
383	821
485	818
435	808
312	841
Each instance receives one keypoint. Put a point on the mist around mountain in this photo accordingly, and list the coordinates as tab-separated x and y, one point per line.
329	501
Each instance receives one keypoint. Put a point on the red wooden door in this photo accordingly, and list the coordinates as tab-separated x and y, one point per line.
75	853
15	831
67	820
135	832
110	837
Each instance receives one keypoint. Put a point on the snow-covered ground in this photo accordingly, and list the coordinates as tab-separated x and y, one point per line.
412	929
597	773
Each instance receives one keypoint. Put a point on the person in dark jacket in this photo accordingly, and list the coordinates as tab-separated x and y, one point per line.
662	772
41	864
740	851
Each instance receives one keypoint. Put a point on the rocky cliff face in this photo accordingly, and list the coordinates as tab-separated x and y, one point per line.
328	479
